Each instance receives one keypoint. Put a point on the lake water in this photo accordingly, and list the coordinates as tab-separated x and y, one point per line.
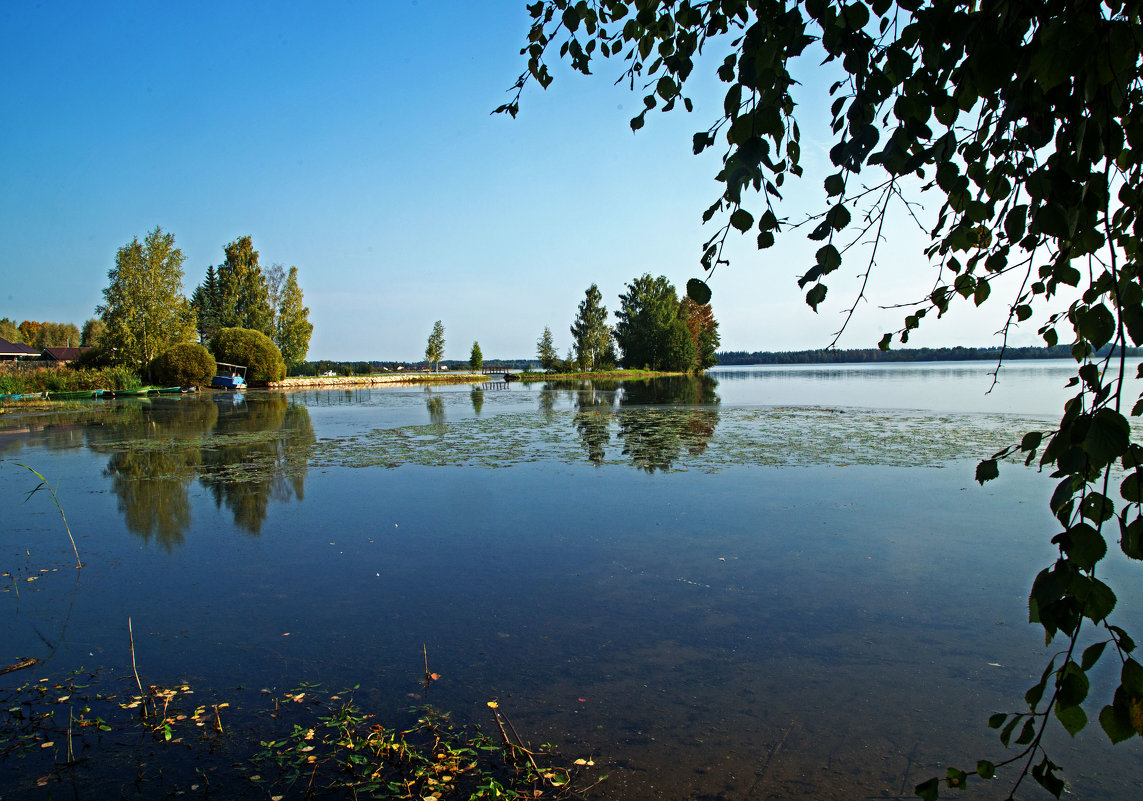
776	583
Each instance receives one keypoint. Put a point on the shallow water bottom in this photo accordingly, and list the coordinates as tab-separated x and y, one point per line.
803	632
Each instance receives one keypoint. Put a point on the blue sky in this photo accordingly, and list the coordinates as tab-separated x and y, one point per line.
354	141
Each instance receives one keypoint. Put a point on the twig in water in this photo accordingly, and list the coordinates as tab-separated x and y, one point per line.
519	744
131	640
51	491
23	663
429	676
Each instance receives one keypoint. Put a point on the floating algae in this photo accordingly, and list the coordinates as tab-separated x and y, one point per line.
685	438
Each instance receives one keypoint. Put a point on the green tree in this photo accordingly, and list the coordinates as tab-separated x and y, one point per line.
275	276
476	358
292	326
591	335
1025	120
243	291
207	303
57	335
546	351
434	350
92	333
143	305
10	331
650	331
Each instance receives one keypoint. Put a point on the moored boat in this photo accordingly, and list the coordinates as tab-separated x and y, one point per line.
79	394
230	376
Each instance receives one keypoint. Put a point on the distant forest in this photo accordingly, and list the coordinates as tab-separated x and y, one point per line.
854	355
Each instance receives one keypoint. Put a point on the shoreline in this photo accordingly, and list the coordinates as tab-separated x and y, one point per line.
307	382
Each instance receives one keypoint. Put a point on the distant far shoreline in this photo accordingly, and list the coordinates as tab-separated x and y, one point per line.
867	355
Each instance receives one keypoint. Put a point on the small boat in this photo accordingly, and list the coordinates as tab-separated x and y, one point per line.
80	394
230	376
23	396
127	393
168	391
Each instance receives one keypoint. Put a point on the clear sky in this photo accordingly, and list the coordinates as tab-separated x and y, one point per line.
353	140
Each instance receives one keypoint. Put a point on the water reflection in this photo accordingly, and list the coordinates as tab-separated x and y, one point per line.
262	456
477	395
652	438
151	481
244	452
435	406
593	412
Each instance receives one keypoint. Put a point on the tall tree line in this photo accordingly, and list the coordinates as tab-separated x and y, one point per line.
240	293
655	329
40	335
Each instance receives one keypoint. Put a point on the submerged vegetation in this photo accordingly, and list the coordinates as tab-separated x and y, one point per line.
84	728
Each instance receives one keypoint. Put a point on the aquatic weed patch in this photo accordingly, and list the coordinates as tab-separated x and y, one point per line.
333	747
682	438
86	730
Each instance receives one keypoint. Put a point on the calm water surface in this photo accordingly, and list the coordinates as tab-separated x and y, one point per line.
775	583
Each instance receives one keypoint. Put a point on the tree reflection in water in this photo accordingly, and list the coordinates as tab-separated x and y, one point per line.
435	406
262	455
655	438
244	452
656	420
593	411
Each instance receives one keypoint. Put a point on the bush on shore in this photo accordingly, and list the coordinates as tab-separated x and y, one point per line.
253	350
187	364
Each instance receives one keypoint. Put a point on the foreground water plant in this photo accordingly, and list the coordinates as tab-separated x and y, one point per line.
44	485
300	743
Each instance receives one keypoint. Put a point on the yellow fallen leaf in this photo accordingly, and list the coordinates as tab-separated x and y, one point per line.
494	704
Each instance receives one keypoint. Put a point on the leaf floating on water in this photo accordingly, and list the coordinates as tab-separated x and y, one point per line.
493	704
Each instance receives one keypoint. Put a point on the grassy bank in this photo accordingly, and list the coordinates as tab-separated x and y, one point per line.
323	382
23	380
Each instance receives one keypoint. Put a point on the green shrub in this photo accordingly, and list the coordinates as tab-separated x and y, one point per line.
186	365
252	349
